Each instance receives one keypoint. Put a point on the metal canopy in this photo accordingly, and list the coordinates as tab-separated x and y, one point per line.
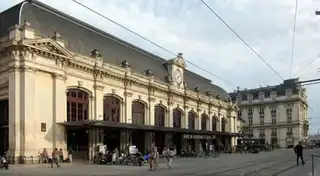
102	123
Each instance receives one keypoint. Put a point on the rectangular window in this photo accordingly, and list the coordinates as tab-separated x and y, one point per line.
68	112
289	118
43	127
80	112
274	119
250	120
274	132
74	111
261	120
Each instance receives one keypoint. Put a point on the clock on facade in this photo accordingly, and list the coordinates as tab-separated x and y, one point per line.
178	76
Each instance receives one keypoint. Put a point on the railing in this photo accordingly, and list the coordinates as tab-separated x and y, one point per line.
24	159
313	157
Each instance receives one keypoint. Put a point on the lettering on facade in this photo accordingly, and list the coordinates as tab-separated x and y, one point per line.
190	136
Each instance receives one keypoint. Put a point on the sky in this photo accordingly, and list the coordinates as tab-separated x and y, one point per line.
187	26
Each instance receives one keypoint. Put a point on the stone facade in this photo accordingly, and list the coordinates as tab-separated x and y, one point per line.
275	114
39	71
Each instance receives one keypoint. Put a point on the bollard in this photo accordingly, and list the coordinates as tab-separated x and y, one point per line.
312	163
25	160
31	159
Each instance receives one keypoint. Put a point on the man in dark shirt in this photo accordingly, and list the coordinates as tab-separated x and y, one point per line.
298	149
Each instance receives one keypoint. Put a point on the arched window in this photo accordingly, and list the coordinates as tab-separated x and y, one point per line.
77	105
111	109
223	125
159	115
138	113
214	123
191	120
204	119
177	113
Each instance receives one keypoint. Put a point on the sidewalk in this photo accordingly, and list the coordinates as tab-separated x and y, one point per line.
303	170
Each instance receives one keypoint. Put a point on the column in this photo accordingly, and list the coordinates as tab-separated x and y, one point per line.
92	143
210	122
149	140
170	117
98	89
125	139
151	111
59	112
28	116
128	107
14	112
186	117
199	119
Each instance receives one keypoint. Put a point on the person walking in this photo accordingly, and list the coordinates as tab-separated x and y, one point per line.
298	149
168	156
55	155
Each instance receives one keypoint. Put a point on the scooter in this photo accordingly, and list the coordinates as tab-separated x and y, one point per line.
3	162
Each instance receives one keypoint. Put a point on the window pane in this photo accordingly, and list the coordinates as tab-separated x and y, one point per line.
73	111
80	112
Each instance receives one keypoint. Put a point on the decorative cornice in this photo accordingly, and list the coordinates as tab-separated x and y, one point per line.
28	69
59	76
151	99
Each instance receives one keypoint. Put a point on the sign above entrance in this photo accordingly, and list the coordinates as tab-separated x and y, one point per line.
190	136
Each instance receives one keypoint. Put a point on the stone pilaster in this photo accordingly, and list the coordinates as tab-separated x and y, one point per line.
186	117
59	112
210	122
128	106
14	112
28	117
98	89
198	127
170	117
151	110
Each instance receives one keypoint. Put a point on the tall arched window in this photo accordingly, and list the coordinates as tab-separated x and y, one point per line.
204	119
159	115
223	125
138	113
111	109
191	120
214	123
177	114
77	105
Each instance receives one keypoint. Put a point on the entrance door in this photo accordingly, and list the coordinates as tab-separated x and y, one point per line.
4	126
78	141
112	139
159	140
138	139
177	137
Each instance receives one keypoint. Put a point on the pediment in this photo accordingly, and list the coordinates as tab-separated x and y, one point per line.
48	45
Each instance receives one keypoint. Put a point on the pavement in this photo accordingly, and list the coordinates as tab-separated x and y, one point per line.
274	163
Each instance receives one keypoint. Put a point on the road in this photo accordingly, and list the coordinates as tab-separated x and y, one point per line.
280	162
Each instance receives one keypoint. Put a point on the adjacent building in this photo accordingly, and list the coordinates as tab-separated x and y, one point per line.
274	114
66	84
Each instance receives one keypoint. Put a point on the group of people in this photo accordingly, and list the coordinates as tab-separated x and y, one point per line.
153	158
55	158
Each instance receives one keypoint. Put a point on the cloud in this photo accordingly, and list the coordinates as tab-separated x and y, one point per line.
189	27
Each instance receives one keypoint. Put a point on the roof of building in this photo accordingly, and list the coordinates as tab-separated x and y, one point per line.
82	38
292	84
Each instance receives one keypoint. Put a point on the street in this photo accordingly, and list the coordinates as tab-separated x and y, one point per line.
280	162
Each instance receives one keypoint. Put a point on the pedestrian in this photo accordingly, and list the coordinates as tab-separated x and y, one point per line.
298	149
168	156
61	159
70	155
55	155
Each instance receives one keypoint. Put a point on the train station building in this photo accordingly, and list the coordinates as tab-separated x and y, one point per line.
66	84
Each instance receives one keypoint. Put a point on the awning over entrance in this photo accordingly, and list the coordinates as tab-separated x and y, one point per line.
101	123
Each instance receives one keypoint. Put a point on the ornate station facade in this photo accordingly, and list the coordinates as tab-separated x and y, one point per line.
65	84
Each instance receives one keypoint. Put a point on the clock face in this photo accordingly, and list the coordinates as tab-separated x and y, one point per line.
178	76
